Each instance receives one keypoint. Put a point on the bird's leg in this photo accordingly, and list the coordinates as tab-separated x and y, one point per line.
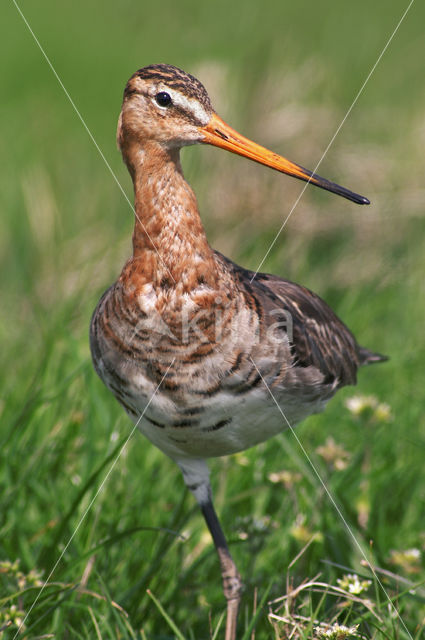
232	583
196	477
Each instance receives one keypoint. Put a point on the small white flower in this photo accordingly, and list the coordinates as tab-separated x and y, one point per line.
370	406
352	583
76	479
334	455
357	404
383	412
413	554
337	632
407	559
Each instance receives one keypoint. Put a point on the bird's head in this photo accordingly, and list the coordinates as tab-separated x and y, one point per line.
165	105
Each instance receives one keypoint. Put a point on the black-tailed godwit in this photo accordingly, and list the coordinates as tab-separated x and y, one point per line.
192	345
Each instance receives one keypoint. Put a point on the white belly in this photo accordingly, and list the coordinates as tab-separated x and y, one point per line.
226	426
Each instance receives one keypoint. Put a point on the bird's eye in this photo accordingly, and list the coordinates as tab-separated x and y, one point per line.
163	99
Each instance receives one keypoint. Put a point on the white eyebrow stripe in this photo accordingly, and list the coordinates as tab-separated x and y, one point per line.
189	104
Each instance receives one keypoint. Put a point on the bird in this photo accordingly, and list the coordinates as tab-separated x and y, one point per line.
206	357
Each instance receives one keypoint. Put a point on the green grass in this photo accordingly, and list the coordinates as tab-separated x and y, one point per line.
140	564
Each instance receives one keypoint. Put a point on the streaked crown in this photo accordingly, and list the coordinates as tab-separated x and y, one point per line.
165	104
172	77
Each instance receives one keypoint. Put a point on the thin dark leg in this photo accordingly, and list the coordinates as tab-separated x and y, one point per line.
232	584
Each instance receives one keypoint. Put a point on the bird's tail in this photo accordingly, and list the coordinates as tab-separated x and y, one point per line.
369	357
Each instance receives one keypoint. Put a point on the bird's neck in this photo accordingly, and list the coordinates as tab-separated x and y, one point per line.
169	241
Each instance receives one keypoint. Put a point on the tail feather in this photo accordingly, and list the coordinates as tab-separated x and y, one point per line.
369	357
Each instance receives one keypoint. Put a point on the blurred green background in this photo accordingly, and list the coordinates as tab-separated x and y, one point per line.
284	74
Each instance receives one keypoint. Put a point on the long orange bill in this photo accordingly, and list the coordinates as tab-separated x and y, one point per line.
218	133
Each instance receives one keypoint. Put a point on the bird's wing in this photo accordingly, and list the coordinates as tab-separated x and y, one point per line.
317	336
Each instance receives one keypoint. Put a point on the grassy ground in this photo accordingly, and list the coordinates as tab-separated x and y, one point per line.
117	545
